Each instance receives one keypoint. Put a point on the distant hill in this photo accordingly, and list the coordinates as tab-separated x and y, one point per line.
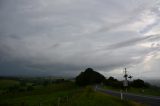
89	77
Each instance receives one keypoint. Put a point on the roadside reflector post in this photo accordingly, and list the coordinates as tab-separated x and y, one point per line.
59	100
121	95
95	88
126	89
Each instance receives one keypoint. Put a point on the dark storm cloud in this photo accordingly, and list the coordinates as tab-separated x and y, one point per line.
63	37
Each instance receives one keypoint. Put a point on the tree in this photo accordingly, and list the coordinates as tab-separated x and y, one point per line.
138	83
89	77
111	81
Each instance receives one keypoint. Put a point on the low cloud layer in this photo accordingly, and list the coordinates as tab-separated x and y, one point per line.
63	37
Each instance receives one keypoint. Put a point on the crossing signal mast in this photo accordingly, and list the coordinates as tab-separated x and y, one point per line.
126	76
125	82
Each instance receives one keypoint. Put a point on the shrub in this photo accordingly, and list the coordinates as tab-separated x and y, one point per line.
30	88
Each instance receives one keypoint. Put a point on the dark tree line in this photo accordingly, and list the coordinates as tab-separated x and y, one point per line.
138	83
111	81
90	77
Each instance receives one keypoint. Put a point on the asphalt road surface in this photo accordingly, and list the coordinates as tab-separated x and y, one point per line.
149	100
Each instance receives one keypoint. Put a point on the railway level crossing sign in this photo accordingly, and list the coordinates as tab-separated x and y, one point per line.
125	83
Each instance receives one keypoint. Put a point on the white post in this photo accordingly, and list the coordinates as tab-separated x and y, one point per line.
59	99
67	99
121	95
96	88
126	89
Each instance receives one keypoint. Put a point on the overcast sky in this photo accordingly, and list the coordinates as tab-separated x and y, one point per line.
64	37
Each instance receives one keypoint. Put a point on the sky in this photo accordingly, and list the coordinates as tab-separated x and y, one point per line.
64	37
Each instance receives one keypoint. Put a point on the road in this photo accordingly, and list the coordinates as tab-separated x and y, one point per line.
149	100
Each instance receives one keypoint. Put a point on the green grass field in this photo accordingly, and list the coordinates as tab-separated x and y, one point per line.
41	95
7	83
58	94
4	84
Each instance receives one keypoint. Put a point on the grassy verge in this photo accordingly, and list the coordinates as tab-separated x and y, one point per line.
147	91
87	97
